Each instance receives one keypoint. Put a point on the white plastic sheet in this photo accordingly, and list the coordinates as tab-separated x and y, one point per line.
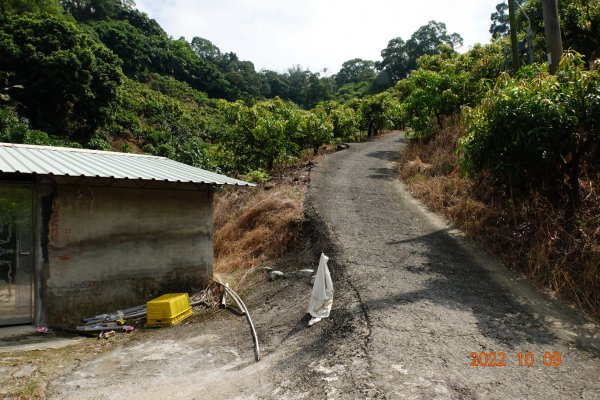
321	298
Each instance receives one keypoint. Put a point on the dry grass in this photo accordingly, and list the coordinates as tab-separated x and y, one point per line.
255	225
529	230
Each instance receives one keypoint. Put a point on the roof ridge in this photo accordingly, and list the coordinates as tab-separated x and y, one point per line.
75	149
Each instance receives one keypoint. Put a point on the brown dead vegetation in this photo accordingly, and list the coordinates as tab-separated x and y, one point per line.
253	225
529	229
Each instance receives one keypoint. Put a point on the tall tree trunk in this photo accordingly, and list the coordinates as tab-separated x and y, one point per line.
553	33
514	43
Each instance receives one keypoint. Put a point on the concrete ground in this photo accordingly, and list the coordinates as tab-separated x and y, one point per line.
25	338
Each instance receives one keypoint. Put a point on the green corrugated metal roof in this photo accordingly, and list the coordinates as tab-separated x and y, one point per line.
64	161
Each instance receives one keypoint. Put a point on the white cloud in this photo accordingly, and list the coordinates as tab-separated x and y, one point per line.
277	34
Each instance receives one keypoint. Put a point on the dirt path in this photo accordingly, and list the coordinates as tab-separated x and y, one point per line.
411	304
430	301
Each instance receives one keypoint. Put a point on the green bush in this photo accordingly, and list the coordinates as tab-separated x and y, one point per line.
256	175
443	84
98	144
543	127
14	129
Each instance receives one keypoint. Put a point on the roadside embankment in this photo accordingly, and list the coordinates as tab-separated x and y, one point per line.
529	228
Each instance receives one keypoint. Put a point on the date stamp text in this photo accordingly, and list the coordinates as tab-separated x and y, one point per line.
522	359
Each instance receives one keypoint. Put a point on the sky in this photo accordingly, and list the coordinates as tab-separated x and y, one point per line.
315	34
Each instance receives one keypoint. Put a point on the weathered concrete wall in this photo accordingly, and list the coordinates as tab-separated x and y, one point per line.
111	248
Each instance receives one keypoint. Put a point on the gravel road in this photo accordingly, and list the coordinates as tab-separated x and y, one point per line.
429	300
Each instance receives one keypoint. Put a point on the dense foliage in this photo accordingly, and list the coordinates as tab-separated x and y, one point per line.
102	74
400	57
537	126
443	84
66	79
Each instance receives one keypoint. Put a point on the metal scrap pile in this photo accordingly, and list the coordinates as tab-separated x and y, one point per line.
114	321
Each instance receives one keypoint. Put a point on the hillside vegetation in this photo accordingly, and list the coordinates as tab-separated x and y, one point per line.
512	157
510	154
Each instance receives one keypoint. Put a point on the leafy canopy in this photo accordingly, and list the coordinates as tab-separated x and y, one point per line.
68	80
400	57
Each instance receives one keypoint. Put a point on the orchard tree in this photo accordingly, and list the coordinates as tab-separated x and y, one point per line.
316	129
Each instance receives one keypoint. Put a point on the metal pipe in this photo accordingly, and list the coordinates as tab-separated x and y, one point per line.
236	298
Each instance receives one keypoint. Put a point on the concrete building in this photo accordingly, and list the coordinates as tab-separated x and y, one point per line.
84	232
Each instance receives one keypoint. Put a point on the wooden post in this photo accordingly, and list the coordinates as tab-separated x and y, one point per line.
553	34
514	43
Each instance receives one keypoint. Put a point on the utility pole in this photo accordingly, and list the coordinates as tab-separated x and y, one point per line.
553	34
514	43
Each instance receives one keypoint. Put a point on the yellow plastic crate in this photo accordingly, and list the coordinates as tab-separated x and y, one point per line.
168	309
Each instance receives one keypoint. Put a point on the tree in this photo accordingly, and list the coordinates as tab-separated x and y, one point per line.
68	79
377	113
514	40
395	60
356	70
500	20
277	84
499	27
400	57
316	89
206	49
297	78
259	136
141	21
129	43
316	129
541	126
31	6
428	38
244	81
580	25
84	10
552	33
